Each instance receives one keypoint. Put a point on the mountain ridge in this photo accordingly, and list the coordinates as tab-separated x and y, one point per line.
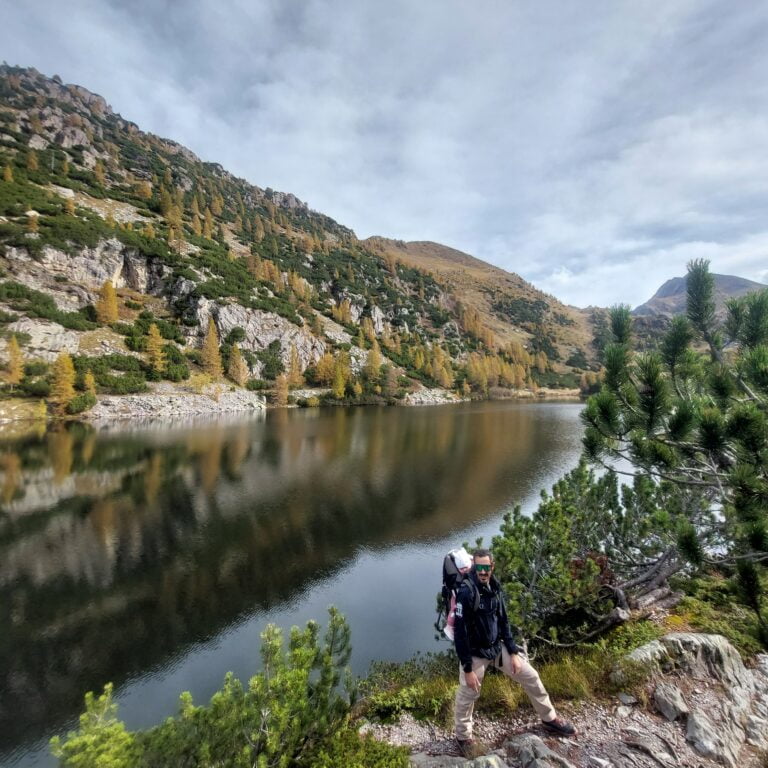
670	298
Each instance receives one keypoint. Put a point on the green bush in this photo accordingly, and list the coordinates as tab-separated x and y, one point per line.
81	402
176	372
35	368
347	748
35	387
256	385
293	715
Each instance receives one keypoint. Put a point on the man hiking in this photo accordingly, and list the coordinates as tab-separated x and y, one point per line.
483	636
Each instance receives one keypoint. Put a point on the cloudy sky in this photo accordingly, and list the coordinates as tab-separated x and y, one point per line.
592	147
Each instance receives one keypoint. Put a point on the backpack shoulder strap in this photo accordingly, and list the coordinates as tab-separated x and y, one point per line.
470	583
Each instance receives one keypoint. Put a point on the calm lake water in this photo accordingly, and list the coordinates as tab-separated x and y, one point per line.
154	558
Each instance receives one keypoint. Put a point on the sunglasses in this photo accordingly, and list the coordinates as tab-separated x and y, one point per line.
483	568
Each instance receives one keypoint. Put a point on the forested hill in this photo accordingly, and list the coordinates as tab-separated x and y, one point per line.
88	199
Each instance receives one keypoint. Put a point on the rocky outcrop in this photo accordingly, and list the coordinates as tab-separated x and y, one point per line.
46	340
88	270
261	329
715	713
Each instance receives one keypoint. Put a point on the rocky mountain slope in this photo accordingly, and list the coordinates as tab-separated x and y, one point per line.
670	299
513	309
87	198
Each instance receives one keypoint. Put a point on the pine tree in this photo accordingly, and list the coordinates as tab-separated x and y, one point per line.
155	351
211	356
15	362
295	378
63	383
238	369
696	426
106	306
7	173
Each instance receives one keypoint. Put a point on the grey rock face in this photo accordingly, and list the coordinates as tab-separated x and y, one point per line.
378	319
669	701
708	656
47	340
710	741
531	752
92	267
261	329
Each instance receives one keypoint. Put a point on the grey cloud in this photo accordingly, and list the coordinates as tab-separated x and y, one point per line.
593	148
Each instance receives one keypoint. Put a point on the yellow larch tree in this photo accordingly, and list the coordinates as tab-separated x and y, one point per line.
15	372
281	390
295	378
155	351
63	383
98	172
32	161
89	383
238	369
324	369
7	173
106	306
211	356
373	363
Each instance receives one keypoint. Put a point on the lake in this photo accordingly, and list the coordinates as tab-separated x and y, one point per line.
153	558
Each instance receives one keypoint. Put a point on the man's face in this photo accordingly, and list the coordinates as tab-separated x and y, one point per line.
483	569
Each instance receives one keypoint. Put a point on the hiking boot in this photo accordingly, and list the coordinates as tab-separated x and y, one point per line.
467	748
559	727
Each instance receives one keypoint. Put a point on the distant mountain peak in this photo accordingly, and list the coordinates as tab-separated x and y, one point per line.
671	297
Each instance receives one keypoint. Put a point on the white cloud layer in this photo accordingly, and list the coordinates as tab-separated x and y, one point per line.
594	148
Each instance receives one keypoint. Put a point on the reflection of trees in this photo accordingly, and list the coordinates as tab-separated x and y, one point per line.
116	588
10	464
60	448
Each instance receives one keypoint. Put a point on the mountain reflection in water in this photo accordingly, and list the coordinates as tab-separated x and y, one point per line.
119	552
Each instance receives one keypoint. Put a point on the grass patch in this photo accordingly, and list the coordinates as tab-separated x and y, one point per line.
712	605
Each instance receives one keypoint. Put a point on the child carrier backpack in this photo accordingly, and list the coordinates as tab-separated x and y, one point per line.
456	567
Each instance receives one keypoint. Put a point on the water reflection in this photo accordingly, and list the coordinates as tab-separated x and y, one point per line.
118	552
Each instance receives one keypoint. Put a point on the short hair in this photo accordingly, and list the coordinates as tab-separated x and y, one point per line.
482	552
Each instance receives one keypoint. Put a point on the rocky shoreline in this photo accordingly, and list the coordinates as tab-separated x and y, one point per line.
169	403
183	406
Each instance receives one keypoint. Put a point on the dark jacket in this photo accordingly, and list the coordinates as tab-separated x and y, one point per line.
481	632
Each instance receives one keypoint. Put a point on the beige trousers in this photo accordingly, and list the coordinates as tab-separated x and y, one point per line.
528	677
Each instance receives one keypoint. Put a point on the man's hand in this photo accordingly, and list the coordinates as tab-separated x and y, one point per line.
472	681
515	662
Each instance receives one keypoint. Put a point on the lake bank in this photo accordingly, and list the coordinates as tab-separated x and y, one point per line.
169	402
